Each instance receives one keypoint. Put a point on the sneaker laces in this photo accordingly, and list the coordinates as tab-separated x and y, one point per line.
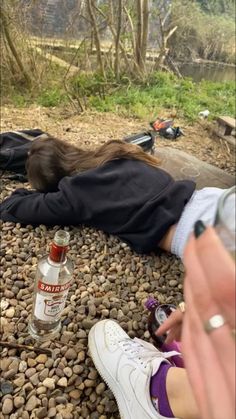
146	353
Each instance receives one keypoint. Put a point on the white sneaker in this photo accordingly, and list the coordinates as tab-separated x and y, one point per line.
126	365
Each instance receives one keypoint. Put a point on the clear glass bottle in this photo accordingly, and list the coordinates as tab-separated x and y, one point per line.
52	283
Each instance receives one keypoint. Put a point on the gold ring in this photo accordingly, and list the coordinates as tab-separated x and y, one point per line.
215	322
182	306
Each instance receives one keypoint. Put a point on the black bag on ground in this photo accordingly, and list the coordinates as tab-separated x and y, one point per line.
145	140
14	147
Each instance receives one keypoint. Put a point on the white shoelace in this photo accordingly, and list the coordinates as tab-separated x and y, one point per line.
144	351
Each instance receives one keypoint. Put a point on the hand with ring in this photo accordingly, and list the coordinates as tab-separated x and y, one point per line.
208	333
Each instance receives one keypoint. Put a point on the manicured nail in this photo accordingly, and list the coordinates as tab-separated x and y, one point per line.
199	228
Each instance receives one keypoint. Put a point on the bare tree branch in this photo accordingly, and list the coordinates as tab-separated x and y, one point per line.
91	7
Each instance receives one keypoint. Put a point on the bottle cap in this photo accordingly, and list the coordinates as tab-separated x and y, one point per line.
151	302
62	238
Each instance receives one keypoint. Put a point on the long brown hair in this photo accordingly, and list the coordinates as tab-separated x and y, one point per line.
50	159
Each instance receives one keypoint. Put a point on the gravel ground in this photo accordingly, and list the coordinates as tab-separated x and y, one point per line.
110	281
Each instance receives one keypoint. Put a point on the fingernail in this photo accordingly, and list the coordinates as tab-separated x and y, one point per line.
199	228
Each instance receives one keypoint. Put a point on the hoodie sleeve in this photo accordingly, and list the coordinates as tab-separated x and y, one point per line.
32	207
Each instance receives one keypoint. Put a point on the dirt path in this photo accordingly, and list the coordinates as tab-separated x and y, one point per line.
92	129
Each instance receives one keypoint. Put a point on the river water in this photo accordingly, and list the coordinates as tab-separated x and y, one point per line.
213	72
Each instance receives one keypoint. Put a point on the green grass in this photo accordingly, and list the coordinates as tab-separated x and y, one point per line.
51	97
140	100
165	91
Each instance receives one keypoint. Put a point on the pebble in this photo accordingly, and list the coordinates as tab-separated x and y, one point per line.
10	312
7	406
75	394
31	403
49	383
19	401
110	281
71	354
20	380
62	382
41	412
41	359
29	372
6	387
68	371
23	366
100	388
173	283
52	412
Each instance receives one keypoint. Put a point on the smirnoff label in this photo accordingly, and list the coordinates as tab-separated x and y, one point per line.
50	301
53	289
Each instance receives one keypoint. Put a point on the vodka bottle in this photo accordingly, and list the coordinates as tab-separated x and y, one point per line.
52	283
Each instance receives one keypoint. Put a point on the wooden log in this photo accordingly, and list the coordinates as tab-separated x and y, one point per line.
182	165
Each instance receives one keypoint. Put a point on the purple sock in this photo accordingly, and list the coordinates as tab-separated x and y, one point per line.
158	391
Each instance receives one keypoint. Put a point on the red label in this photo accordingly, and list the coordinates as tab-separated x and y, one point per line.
53	289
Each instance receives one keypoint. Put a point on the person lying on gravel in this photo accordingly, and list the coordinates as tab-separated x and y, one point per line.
117	188
145	384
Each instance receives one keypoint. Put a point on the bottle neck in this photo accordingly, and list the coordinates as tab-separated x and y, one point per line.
57	253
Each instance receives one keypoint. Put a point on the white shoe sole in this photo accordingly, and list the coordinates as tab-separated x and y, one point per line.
110	381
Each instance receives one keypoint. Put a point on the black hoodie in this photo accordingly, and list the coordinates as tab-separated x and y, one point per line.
128	198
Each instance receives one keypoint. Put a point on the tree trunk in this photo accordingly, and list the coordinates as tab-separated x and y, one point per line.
117	41
112	29
12	47
145	30
139	33
96	36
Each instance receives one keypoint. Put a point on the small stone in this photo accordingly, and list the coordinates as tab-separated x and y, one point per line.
41	359
19	401
173	283
30	372
61	400
41	390
78	369
81	334
23	366
7	406
49	363
34	379
51	402
20	380
100	388
41	412
71	354
31	403
89	383
10	312
43	374
49	383
28	387
93	375
87	323
68	372
81	356
6	387
9	374
31	362
52	412
4	304
5	362
62	382
75	394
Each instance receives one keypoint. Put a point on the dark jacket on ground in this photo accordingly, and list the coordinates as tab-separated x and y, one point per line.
127	198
